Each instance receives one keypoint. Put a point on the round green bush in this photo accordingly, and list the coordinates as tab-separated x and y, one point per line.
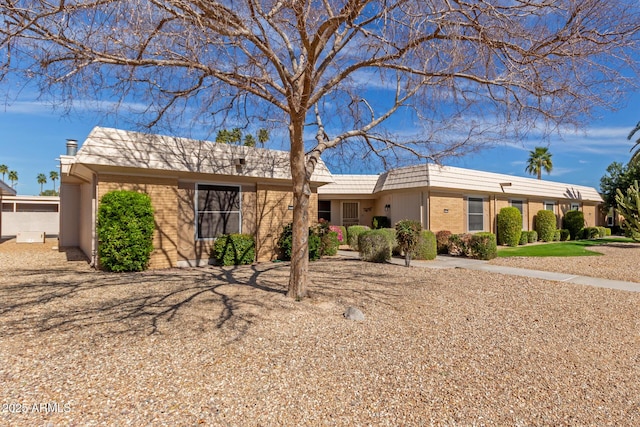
524	238
556	235
532	236
565	235
546	225
352	235
125	231
374	246
509	226
234	249
574	222
390	234
285	244
427	247
483	245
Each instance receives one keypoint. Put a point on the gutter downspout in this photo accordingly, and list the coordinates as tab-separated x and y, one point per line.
94	221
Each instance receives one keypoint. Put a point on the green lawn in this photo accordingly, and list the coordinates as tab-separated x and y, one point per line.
572	248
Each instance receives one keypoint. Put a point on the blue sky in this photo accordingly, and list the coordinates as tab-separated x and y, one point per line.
34	135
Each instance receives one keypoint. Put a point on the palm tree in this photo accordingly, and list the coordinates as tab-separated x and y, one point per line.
539	159
4	169
54	176
13	177
635	157
42	179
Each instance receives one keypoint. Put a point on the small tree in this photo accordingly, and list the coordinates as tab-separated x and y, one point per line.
13	177
125	231
574	222
408	236
4	169
539	160
509	226
42	179
629	208
53	175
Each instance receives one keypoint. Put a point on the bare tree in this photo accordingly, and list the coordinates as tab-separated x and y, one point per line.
335	71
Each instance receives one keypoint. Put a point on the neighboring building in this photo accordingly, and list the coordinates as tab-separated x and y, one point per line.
5	190
30	214
198	190
449	198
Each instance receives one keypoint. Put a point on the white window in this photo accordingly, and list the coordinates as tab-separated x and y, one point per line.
476	214
217	210
550	206
575	206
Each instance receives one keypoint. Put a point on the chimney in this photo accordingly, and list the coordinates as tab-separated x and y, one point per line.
72	147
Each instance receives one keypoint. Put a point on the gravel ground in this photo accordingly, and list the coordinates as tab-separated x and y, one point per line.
620	262
224	347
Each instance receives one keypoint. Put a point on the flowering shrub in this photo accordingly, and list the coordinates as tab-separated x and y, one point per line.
338	230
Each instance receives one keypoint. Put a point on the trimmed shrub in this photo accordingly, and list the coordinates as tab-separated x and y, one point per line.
556	235
374	246
509	226
390	234
427	247
352	235
483	245
380	222
574	222
285	244
234	249
533	236
459	244
408	236
442	241
607	232
524	238
341	233
565	235
592	232
602	232
545	225
125	231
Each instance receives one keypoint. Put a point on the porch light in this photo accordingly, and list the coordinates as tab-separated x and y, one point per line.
387	207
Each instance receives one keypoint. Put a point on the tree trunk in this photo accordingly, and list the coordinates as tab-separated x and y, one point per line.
301	194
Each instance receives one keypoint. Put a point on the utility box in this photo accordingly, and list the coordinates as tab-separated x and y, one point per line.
30	237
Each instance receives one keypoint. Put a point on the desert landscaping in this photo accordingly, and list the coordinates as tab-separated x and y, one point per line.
223	346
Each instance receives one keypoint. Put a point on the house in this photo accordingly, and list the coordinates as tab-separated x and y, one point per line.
449	198
198	189
5	190
30	214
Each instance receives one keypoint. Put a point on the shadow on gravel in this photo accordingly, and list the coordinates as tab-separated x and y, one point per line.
203	299
136	303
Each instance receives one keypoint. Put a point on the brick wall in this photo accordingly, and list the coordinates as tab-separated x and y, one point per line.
164	199
454	219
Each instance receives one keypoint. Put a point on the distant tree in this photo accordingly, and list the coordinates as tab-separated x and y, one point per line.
42	179
618	176
54	176
235	136
539	160
636	154
13	177
4	169
49	193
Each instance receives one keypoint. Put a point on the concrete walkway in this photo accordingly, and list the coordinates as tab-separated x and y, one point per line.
444	261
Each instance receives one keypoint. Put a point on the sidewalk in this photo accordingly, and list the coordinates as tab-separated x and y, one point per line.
444	261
